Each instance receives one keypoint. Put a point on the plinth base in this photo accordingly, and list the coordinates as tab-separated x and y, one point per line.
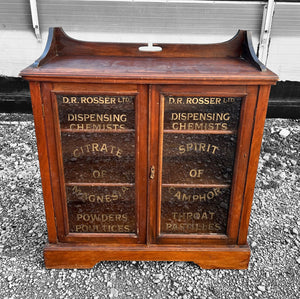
84	256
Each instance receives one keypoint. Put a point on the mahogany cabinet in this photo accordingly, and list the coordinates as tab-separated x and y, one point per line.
148	153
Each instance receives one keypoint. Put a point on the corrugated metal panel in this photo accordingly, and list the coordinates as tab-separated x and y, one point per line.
15	15
286	20
142	17
18	45
284	52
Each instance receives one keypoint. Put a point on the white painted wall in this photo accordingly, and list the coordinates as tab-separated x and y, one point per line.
18	48
165	22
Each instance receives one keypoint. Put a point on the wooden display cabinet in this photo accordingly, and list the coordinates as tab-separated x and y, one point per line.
148	153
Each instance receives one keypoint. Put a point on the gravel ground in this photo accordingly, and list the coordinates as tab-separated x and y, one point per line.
274	233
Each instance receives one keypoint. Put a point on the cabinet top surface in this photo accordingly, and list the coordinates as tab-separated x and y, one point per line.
66	57
150	68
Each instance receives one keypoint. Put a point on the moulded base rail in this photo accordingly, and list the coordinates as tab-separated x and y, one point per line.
82	256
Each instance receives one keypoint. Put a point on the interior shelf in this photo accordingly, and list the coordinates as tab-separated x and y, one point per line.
196	185
224	132
100	184
97	131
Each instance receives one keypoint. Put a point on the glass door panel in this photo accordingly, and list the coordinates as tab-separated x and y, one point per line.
98	144
194	210
198	158
198	144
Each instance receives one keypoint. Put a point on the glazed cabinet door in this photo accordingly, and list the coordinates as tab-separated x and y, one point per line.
98	151
199	147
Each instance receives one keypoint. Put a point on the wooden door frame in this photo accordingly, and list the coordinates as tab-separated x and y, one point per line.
49	92
244	136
